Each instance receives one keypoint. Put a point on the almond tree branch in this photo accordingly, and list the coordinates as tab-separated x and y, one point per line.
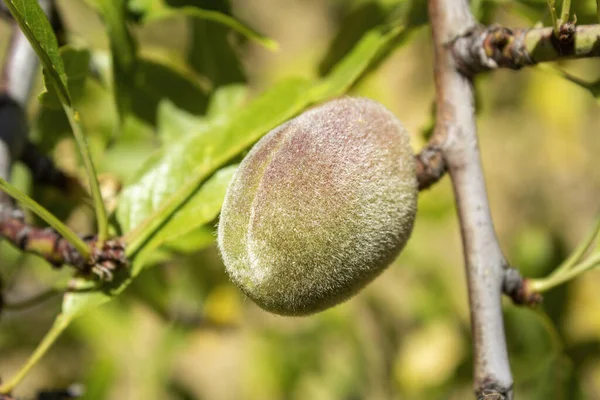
48	244
431	166
485	48
519	289
456	135
44	242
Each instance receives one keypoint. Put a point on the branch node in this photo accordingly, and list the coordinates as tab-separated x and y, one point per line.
518	289
431	166
492	391
490	48
564	42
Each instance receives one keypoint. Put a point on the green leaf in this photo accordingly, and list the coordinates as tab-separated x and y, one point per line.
173	176
227	99
76	63
156	10
174	123
35	25
123	49
194	241
203	207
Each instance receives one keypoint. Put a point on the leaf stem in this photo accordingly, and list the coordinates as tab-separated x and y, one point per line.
564	14
555	24
47	216
53	334
101	218
580	251
542	285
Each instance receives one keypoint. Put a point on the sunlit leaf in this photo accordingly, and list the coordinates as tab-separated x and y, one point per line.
173	122
200	209
194	241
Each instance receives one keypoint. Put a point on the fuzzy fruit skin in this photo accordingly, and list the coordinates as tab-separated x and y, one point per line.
319	207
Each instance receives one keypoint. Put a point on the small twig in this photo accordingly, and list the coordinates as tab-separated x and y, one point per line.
44	242
565	11
553	16
486	48
47	216
47	243
431	166
519	290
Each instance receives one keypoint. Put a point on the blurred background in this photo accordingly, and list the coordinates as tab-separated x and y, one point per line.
182	331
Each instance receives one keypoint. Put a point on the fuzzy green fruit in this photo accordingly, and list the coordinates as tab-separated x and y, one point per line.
319	207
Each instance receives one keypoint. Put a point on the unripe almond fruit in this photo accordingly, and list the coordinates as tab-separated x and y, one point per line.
319	207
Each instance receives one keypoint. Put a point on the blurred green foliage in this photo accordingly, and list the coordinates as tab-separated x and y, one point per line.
181	331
